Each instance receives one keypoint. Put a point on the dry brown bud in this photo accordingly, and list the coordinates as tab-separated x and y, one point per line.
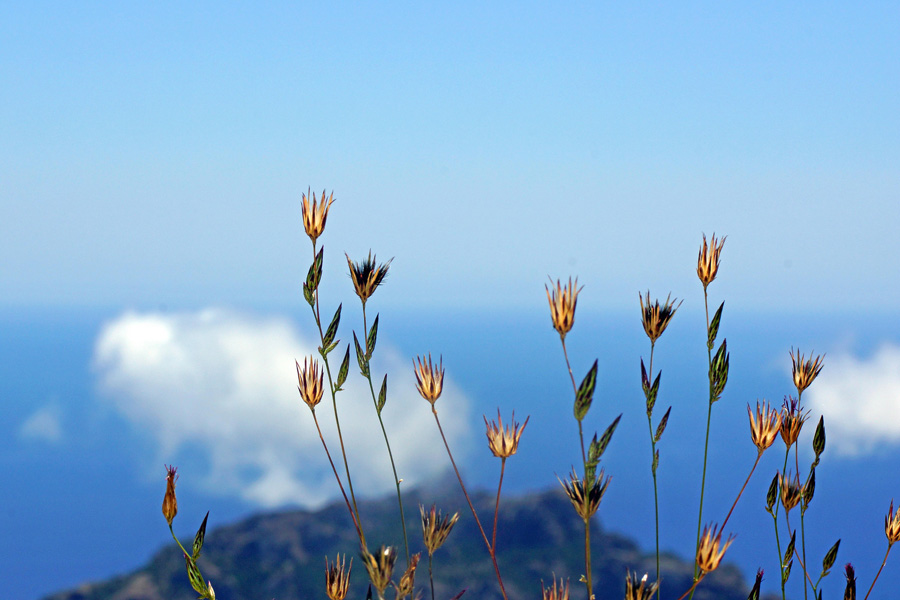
314	215
708	260
367	275
408	580
309	382
764	425
804	370
337	579
170	503
791	492
557	592
504	442
711	549
892	525
436	527
655	317
792	420
585	501
635	590
429	378
562	305
380	567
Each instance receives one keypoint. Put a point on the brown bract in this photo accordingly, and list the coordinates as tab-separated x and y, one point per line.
337	579
562	305
805	370
408	580
380	566
557	592
764	425
309	382
639	590
367	275
892	525
170	503
711	549
429	378
314	215
585	499
655	317
792	420
791	491
436	527
504	442
708	259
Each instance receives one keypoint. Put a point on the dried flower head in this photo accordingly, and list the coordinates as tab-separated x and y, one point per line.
639	590
850	590
314	215
408	580
792	420
655	317
708	260
309	382
337	579
562	305
711	549
170	503
504	441
429	378
585	501
367	275
764	425
557	592
892	525
805	370
791	491
436	527
380	566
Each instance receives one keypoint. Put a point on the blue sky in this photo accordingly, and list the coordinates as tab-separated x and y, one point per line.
153	159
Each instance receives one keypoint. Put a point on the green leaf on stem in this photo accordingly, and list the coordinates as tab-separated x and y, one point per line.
585	394
830	557
198	539
662	426
382	395
370	339
344	370
789	552
819	438
714	328
195	577
808	490
361	359
606	437
331	332
772	494
308	295
314	275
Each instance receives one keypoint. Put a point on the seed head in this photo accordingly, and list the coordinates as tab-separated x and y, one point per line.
436	527
408	580
708	260
367	275
429	378
380	567
655	317
805	370
557	592
585	501
562	305
764	425
504	441
314	215
170	503
791	492
711	549
792	420
892	525
337	580
309	382
639	590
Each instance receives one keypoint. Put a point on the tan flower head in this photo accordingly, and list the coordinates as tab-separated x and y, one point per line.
791	491
585	501
655	317
380	567
792	420
314	215
309	381
436	527
562	305
367	275
892	525
708	260
764	425
711	549
639	590
805	370
408	580
170	503
557	592
504	442
337	580
429	378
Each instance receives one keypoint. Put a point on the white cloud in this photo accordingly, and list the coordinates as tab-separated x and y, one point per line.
860	400
44	425
226	382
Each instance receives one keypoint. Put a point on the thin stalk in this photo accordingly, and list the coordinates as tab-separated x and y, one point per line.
431	573
693	587
471	507
780	555
802	510
575	389
187	554
877	575
741	493
708	421
497	504
362	538
801	561
386	443
653	471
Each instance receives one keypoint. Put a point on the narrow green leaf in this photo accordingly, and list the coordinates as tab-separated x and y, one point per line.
585	394
361	359
772	494
830	557
331	332
607	436
594	451
308	295
714	327
655	464
786	572
345	368
654	390
662	425
645	380
382	394
819	438
809	490
198	539
789	552
330	348
370	339
754	593
314	275
195	577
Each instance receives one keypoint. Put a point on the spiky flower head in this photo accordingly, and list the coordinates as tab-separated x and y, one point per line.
711	549
639	590
170	503
367	275
337	579
708	260
805	370
655	317
557	592
504	441
585	499
309	381
792	419
436	527
764	425
791	491
850	590
315	214
562	305
429	378
380	566
892	525
408	580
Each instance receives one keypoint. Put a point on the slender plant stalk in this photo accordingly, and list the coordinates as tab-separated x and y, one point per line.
431	573
806	578
497	503
386	443
877	575
186	553
653	471
471	506
741	493
802	510
362	538
780	555
706	443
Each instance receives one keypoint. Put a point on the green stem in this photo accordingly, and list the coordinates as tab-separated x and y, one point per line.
653	471
877	575
708	421
362	538
780	555
497	503
431	573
